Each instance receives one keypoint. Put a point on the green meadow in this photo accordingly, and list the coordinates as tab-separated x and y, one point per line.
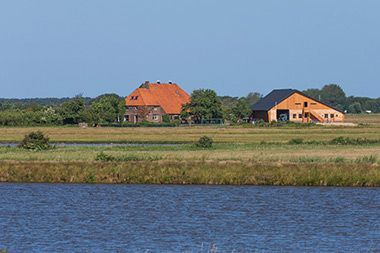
287	155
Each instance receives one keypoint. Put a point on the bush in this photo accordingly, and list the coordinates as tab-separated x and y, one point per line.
104	157
295	141
204	142
166	118
351	141
35	141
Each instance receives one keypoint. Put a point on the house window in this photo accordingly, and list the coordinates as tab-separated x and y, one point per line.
155	108
155	117
332	116
305	104
326	116
300	115
294	116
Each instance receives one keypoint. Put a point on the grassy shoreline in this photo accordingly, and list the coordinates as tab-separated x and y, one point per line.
240	156
198	172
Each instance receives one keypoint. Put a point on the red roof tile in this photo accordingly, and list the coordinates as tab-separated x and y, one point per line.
169	96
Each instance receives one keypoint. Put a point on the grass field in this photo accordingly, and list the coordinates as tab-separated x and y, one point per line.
370	129
240	156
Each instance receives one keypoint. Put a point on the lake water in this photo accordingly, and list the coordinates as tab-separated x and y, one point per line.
153	218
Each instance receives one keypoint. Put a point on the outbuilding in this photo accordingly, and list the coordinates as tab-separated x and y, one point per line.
296	106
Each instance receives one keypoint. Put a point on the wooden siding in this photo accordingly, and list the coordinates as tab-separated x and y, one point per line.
313	112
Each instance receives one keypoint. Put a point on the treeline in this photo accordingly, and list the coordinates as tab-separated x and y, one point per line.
110	108
107	108
334	95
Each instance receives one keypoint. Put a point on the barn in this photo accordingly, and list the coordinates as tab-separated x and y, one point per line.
296	106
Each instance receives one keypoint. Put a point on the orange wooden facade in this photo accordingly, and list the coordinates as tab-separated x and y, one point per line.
302	109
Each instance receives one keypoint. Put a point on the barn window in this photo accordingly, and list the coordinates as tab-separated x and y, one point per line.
294	116
305	104
326	116
300	115
298	103
332	116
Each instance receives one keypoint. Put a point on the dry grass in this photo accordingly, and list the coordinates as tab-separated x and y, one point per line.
372	119
191	134
198	172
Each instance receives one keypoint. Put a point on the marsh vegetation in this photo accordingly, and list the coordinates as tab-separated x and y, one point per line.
315	155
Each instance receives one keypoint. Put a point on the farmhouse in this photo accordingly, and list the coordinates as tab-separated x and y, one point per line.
153	101
293	105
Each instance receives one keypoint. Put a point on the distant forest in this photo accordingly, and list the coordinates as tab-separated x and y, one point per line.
109	108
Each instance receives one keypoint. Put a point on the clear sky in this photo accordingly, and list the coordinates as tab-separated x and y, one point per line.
63	48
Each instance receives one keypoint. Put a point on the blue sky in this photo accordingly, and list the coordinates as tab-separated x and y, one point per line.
63	48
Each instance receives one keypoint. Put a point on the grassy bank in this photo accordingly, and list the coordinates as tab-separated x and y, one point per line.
197	172
254	164
241	155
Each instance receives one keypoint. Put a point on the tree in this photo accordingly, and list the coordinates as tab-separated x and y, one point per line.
314	93
253	97
333	94
106	108
355	108
72	110
241	109
204	104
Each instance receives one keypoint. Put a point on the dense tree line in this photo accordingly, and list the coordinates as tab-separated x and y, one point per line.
205	105
107	108
334	95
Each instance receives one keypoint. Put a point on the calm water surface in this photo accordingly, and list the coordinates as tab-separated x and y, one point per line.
151	218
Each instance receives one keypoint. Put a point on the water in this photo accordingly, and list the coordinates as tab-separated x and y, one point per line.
152	218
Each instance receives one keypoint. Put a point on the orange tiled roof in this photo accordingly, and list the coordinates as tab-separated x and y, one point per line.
169	96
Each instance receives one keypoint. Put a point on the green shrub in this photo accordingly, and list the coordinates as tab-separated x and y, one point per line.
204	142
104	157
295	141
351	141
166	118
35	141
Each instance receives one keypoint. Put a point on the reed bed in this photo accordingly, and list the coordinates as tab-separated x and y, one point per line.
194	172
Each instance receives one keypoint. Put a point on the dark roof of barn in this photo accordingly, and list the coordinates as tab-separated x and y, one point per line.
277	96
272	99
